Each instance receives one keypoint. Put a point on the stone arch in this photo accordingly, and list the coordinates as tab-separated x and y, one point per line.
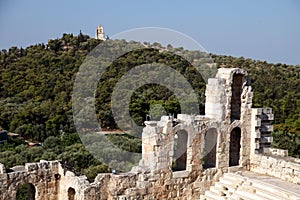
71	193
236	88
27	191
235	146
210	148
180	150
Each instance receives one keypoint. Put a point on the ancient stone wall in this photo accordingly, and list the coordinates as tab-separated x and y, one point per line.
140	184
44	176
286	168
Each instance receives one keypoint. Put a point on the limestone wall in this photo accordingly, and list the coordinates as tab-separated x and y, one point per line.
52	183
141	184
43	176
286	168
165	184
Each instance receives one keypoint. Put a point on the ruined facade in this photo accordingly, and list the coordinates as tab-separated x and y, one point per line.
181	158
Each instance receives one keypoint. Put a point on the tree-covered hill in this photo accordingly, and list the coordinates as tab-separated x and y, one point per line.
36	85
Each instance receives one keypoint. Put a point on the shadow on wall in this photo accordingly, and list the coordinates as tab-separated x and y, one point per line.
235	146
71	194
180	151
210	147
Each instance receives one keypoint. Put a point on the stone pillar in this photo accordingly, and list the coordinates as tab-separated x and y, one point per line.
215	99
245	121
157	144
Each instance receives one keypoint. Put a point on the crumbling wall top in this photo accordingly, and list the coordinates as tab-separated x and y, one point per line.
29	167
227	73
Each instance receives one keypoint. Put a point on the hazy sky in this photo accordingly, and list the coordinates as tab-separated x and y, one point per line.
258	29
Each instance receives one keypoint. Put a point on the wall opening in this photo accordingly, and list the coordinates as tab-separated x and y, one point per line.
26	191
210	147
236	96
71	194
180	151
235	147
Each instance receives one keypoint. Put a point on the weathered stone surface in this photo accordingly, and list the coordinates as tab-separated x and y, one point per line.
280	167
40	175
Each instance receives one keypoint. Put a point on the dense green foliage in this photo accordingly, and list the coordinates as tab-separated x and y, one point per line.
36	84
22	193
150	94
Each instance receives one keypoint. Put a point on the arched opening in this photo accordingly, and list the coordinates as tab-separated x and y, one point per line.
26	191
71	194
210	146
236	96
235	146
180	151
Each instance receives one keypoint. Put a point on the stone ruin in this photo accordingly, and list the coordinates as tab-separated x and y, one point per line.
182	158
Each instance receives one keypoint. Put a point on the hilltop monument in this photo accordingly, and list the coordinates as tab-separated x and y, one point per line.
100	33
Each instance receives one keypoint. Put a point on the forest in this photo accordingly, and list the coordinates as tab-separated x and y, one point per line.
36	86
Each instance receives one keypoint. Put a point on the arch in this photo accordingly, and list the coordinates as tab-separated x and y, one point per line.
180	150
210	147
71	193
236	89
26	191
235	147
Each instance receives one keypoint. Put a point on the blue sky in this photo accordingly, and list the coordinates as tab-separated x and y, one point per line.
258	29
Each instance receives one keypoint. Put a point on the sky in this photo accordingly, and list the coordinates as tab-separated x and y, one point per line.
267	30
